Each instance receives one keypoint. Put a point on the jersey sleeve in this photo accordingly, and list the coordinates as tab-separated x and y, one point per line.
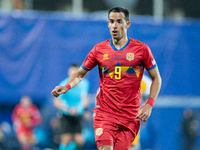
90	61
148	59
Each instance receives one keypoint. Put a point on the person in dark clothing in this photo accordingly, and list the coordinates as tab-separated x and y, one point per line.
190	129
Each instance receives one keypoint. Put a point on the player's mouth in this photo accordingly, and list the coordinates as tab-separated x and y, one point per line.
114	32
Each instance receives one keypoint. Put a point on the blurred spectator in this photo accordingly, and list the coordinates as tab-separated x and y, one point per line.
25	117
56	131
18	4
72	107
190	129
1	137
8	139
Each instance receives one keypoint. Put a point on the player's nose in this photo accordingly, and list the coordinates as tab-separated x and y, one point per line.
115	25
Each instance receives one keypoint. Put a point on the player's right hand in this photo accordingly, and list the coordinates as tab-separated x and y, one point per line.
144	112
58	90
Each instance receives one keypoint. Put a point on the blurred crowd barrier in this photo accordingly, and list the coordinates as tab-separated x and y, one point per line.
177	9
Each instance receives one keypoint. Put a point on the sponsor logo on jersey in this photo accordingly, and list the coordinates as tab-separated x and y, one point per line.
118	57
99	131
129	56
105	56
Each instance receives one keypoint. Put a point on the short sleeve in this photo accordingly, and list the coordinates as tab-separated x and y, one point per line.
148	59
90	61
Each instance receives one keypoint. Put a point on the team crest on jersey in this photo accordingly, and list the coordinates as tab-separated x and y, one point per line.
105	56
99	131
129	56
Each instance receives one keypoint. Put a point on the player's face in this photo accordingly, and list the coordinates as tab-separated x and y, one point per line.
25	101
118	25
72	70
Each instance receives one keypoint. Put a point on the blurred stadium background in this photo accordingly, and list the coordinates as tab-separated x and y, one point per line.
39	40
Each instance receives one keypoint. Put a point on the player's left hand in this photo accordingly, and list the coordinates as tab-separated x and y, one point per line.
144	112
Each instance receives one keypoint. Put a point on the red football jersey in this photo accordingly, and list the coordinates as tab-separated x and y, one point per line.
120	73
26	117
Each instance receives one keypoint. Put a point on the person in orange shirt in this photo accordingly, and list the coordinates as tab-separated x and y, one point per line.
25	117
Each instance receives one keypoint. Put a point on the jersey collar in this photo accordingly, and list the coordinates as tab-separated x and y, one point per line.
113	47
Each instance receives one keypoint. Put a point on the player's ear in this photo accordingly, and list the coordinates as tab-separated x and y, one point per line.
128	24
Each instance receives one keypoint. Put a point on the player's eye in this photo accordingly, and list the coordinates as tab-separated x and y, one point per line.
119	21
111	21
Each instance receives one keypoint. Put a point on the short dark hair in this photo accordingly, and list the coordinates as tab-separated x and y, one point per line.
120	9
76	65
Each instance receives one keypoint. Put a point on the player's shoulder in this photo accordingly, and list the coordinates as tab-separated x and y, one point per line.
104	43
136	42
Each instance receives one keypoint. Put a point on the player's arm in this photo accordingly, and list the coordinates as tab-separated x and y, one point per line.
145	111
73	81
156	83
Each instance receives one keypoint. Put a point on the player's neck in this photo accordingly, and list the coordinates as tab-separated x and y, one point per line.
119	43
